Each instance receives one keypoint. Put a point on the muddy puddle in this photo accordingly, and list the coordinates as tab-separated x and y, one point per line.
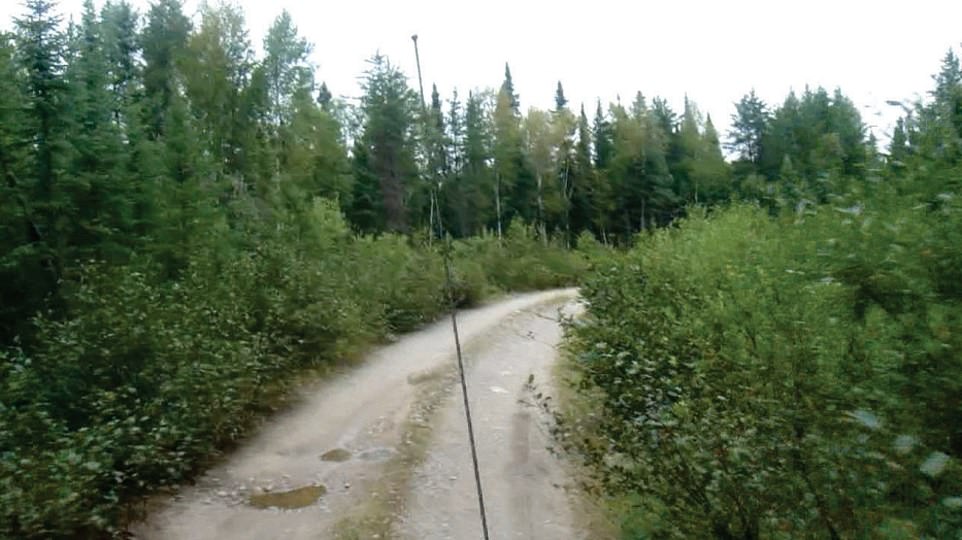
338	455
289	500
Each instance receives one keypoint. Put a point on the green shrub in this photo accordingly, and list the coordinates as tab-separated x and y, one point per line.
783	378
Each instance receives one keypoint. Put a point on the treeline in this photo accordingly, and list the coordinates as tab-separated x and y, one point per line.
125	134
778	370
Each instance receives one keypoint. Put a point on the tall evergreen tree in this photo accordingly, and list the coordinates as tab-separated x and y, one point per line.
749	124
511	192
40	55
164	46
455	197
119	27
603	194
711	174
385	153
23	279
582	184
480	184
101	194
899	146
560	101
507	88
324	97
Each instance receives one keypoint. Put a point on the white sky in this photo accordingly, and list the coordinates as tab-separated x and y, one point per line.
716	51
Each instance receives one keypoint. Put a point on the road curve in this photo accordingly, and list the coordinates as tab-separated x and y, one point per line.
393	431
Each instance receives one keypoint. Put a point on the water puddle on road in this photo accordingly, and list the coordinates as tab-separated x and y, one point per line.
338	455
289	500
377	454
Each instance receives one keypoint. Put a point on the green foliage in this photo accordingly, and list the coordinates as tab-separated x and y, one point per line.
790	378
142	379
522	261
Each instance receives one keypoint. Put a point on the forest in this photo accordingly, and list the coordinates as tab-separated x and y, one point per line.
189	223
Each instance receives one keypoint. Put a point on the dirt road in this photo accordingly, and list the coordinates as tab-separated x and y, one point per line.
381	452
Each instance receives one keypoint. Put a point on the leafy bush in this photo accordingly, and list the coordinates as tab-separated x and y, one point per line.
784	378
522	261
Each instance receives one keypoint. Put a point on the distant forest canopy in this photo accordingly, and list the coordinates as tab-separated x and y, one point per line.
195	97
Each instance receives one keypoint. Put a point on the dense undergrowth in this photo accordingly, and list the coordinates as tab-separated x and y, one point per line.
788	377
141	379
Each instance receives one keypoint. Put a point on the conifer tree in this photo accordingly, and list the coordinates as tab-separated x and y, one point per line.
164	46
385	152
749	124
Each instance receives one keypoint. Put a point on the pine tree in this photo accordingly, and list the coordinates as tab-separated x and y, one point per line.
324	97
456	199
711	174
948	80
659	202
603	195
387	153
101	193
564	128
480	184
40	55
509	191
22	273
684	149
507	88
438	159
581	190
164	46
560	101
944	115
782	137
749	124
899	146
118	22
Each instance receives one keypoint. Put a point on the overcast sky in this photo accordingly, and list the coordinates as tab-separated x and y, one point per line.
715	51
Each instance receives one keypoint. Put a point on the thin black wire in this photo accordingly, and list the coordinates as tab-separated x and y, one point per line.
464	385
446	251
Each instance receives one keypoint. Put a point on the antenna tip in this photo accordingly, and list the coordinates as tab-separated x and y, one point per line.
414	37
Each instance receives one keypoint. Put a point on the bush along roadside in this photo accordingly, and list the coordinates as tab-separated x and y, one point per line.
145	378
796	377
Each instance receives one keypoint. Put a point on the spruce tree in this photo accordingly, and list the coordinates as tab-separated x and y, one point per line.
480	184
560	101
603	193
582	182
40	57
510	195
121	44
23	282
387	153
101	193
749	124
164	46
